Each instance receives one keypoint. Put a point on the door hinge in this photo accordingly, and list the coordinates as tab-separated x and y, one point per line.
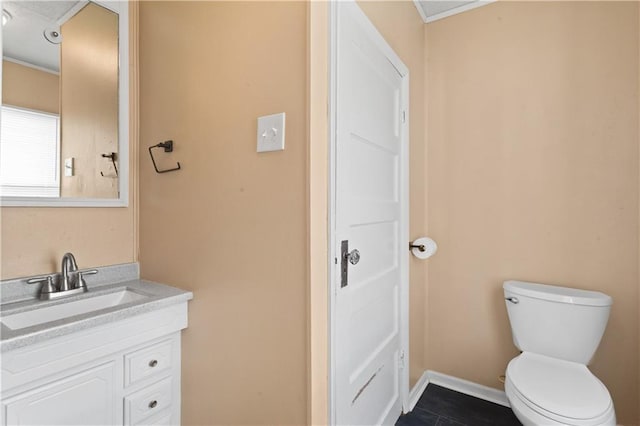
401	363
404	116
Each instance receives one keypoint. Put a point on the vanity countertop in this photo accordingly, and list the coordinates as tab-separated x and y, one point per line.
151	296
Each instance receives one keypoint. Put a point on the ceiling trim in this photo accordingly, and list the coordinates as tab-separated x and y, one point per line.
450	12
28	65
420	11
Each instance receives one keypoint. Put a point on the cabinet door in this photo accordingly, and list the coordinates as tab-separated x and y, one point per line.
86	398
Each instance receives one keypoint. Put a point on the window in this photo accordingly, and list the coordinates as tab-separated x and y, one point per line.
29	153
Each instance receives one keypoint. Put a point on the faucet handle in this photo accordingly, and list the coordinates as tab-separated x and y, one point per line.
81	274
46	288
37	280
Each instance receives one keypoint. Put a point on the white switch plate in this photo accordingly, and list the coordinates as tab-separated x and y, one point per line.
271	133
68	166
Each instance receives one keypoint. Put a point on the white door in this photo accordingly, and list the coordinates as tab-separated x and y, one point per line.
371	151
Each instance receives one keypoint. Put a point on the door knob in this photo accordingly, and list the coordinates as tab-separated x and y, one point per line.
353	257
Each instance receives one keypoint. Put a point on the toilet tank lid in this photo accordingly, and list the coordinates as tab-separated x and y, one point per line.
558	294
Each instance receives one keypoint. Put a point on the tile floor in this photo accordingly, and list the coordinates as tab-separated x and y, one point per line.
439	406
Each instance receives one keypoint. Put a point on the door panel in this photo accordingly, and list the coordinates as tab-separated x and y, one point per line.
378	244
369	214
377	177
381	392
368	342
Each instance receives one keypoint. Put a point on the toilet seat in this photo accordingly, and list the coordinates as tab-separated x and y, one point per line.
564	391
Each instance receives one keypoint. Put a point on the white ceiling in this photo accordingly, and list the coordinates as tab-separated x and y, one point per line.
23	38
432	10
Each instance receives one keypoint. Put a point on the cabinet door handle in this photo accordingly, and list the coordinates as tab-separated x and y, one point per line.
153	404
153	363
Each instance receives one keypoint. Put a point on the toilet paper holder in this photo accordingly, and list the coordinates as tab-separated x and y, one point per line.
420	247
423	247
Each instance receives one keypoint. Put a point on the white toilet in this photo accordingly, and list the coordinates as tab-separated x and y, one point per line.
558	330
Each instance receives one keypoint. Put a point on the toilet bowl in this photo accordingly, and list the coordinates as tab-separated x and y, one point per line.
547	391
558	330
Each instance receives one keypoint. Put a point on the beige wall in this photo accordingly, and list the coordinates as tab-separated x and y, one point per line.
231	225
33	240
30	88
533	175
89	102
403	28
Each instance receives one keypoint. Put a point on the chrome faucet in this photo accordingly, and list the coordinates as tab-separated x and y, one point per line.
68	283
68	265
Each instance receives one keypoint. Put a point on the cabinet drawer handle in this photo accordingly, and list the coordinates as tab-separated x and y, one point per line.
153	404
153	363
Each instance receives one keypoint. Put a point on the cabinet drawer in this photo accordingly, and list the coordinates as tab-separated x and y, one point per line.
162	419
147	362
139	407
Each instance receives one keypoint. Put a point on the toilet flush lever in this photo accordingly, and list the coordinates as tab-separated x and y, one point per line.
512	299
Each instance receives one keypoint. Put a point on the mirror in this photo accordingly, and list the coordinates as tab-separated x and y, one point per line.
64	127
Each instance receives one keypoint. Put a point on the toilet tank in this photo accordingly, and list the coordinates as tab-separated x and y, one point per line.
559	322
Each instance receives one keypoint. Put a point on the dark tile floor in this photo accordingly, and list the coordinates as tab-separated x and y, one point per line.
439	406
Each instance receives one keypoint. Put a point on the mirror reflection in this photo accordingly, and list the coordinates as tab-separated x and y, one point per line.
59	127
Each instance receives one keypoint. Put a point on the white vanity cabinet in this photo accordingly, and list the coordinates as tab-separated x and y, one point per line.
122	373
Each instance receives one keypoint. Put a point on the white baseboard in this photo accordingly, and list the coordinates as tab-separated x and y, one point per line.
463	386
418	390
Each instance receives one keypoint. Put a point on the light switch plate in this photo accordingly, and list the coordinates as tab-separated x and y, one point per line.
271	132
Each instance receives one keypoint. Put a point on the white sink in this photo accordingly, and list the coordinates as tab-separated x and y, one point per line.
69	309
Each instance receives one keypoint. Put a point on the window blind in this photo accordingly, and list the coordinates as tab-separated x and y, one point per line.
29	153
